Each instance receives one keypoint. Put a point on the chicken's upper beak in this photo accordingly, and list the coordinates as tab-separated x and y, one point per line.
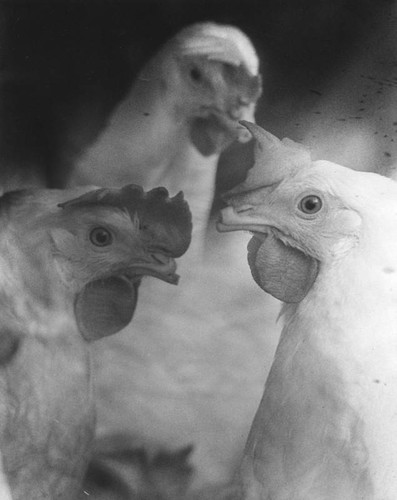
158	265
245	210
243	218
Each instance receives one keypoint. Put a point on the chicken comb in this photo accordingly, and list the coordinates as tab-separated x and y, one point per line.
166	223
275	159
117	197
221	43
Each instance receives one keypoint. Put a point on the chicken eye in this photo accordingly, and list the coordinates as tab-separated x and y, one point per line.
101	237
195	74
310	204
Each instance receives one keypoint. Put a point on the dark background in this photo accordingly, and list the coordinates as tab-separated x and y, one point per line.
68	63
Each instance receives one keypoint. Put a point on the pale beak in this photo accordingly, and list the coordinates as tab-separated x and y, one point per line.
159	266
243	218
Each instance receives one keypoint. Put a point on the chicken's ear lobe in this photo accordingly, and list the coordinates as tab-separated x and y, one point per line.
105	307
283	271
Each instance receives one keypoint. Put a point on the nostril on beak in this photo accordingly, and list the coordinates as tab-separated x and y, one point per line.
243	209
160	257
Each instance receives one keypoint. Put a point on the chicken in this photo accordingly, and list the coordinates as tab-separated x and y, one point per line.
179	376
325	242
71	264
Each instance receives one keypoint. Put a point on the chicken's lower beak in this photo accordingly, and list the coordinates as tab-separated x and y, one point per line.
159	266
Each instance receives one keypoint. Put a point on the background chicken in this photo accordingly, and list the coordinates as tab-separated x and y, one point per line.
71	262
325	243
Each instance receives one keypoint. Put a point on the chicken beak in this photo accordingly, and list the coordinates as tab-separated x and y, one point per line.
245	210
158	265
243	218
217	125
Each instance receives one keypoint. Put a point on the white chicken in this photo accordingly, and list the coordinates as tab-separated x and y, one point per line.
71	262
181	376
325	242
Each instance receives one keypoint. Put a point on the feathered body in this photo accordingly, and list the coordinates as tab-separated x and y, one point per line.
62	253
325	426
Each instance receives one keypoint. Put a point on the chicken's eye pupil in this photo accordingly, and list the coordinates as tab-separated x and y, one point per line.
195	74
101	237
310	204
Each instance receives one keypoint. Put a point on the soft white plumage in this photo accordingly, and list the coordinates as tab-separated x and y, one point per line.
180	376
325	428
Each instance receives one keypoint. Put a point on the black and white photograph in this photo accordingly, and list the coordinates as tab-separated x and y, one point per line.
198	249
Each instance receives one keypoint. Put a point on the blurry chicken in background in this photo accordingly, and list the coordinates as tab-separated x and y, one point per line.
181	377
71	265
